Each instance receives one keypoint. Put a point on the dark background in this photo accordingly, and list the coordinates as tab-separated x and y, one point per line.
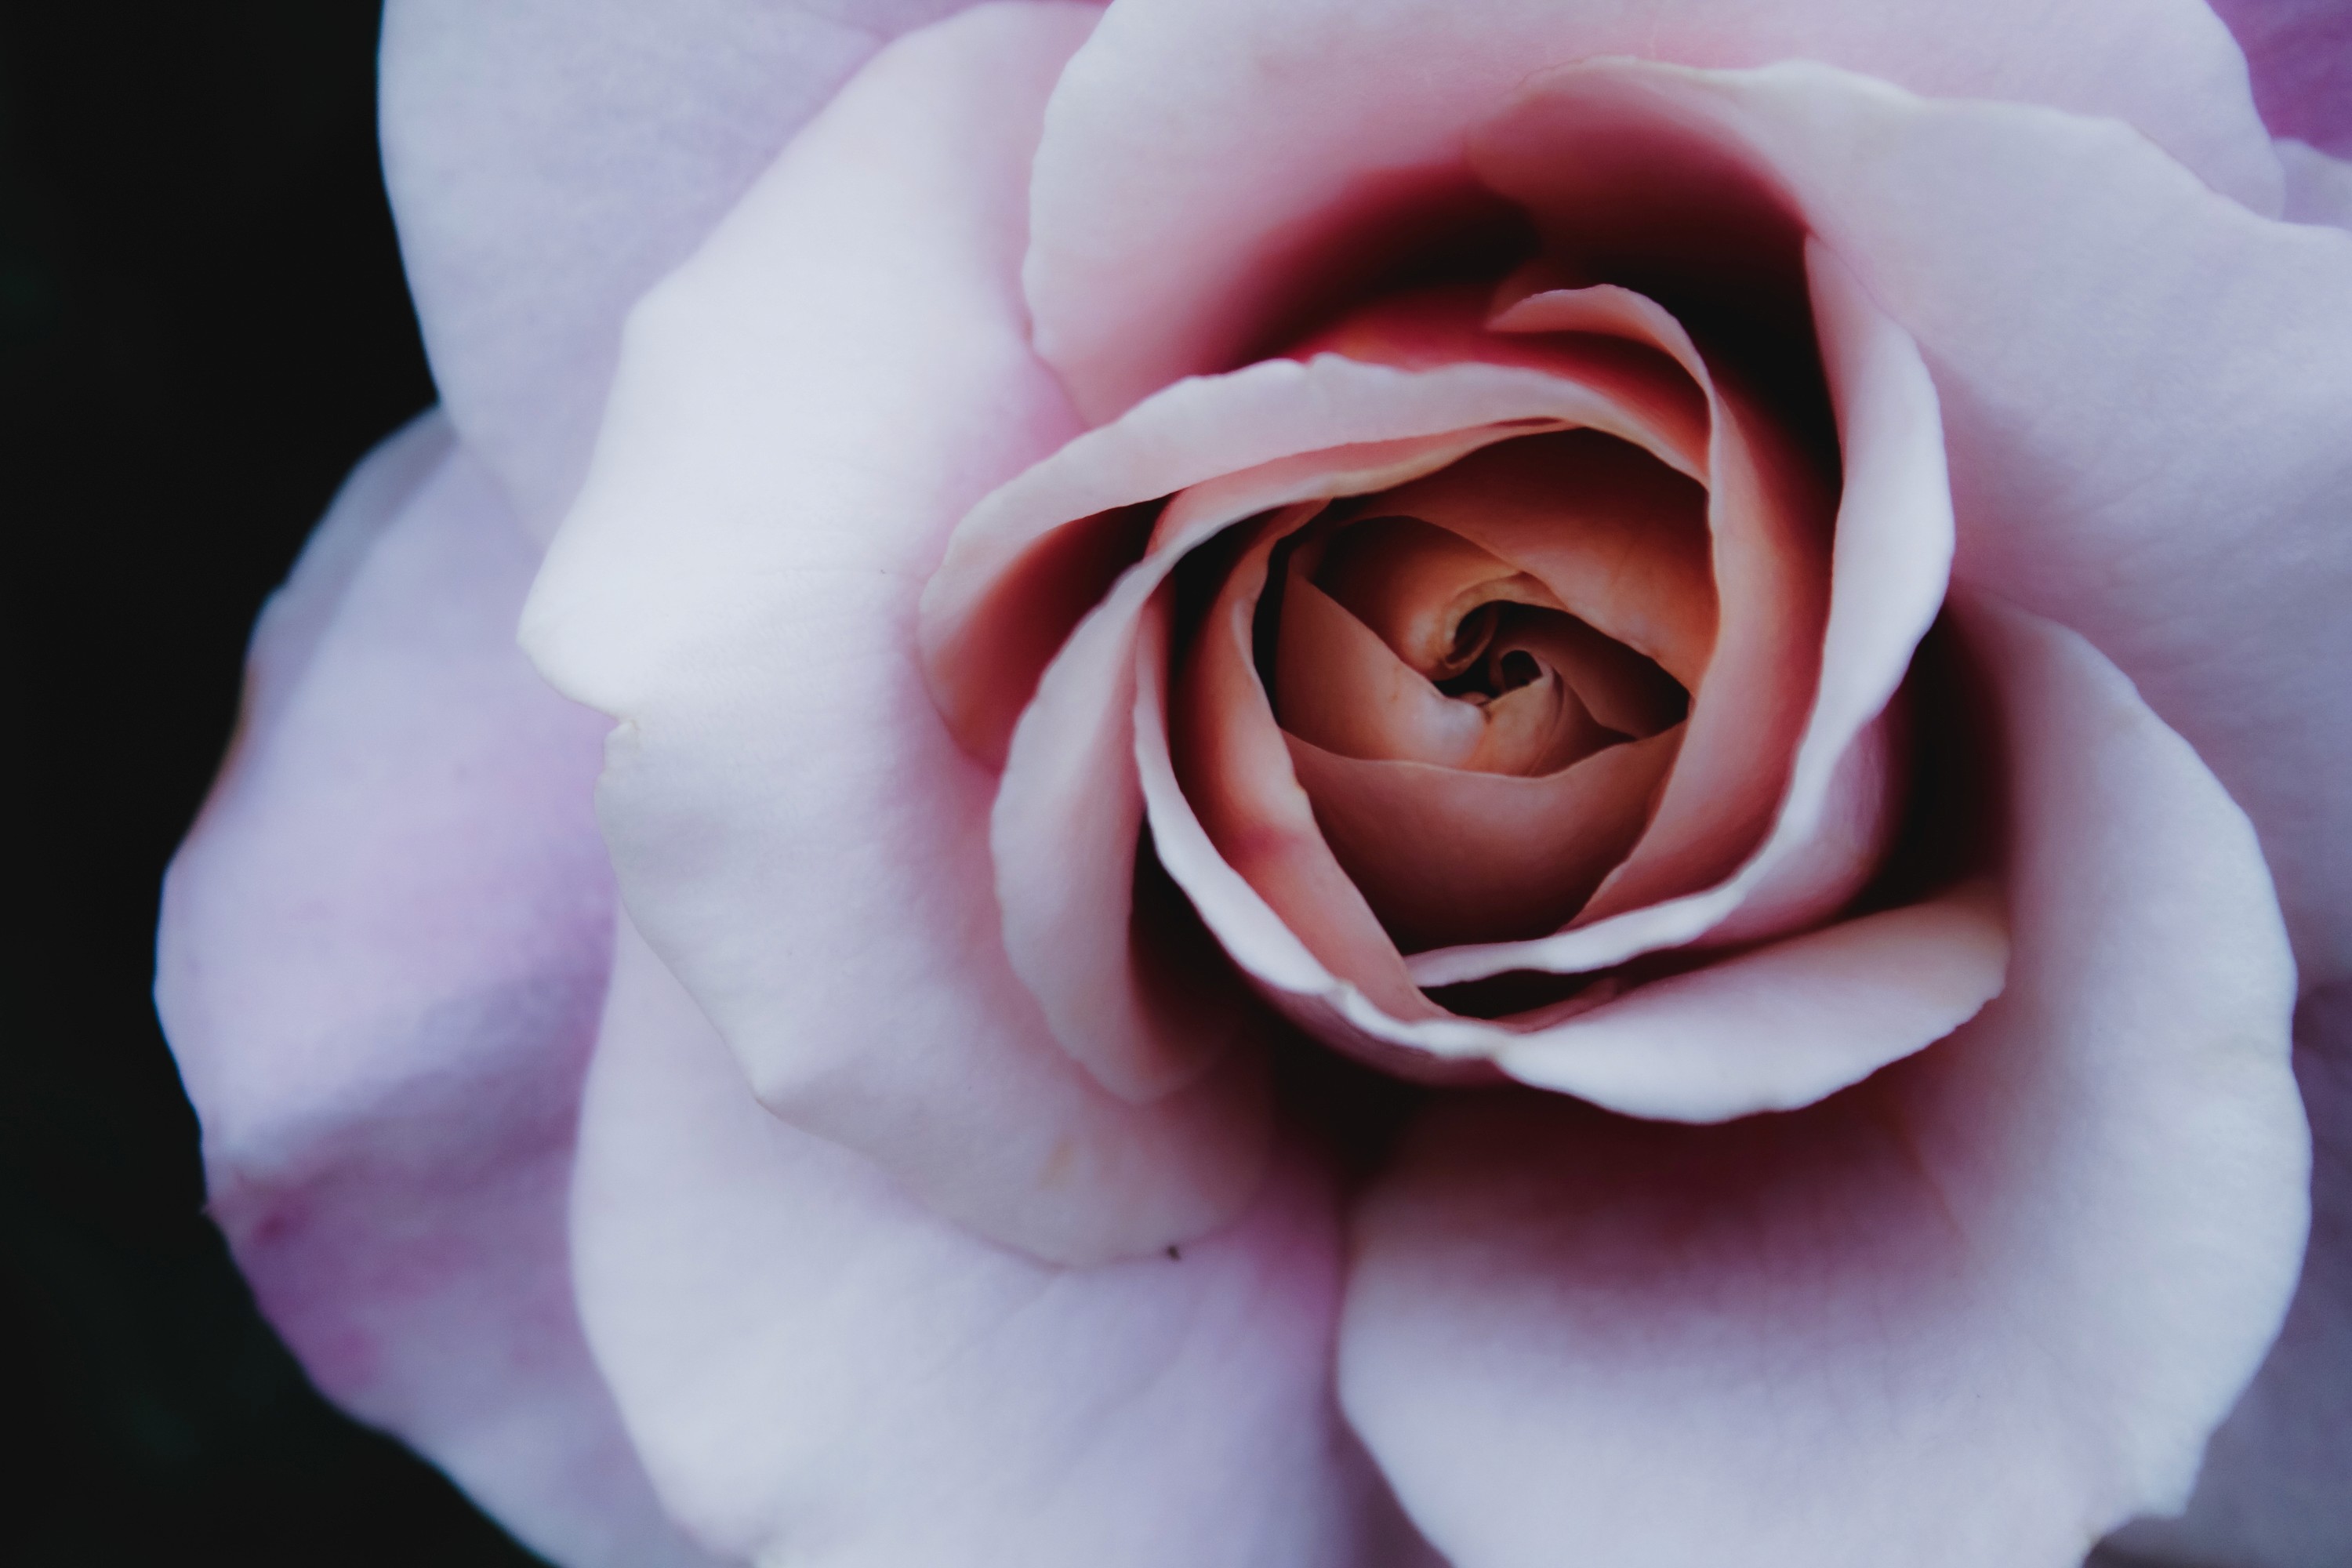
202	326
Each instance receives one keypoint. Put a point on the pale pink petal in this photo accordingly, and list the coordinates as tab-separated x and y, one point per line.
1971	1314
549	160
382	953
2271	1493
2300	53
1887	576
2318	187
1141	1020
803	412
1447	854
1258	155
1782	1026
2192	529
823	1372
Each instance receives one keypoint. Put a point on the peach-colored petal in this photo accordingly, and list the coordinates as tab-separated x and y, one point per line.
1258	155
1887	574
1247	925
2033	1264
1766	516
1412	584
790	820
995	612
1064	835
1339	686
1618	539
1444	855
1233	763
1337	683
1064	827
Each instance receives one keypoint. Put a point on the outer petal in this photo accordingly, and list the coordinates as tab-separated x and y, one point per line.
382	950
2299	52
822	1374
803	413
2318	187
2034	1264
2272	1494
1233	138
549	160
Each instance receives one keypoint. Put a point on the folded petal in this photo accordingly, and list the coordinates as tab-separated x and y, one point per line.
1887	574
383	948
549	160
821	1372
803	412
1785	1025
1270	436
2034	1263
1259	156
1444	855
2271	1493
1769	526
1619	541
1398	392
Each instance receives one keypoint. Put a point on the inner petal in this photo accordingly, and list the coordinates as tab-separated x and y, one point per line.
1390	637
1523	700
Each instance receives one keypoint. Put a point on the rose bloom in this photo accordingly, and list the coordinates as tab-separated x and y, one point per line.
1524	783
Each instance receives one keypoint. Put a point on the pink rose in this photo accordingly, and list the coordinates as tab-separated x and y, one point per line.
1393	783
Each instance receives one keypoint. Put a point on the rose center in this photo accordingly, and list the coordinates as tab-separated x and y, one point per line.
1451	656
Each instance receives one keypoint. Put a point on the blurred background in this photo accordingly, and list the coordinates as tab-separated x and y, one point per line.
202	326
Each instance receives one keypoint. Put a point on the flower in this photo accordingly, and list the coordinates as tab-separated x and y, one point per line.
1082	554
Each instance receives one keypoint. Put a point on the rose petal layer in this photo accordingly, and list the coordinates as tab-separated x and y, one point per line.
1279	433
2192	529
822	1372
1252	153
2270	1494
1888	570
2094	509
383	948
802	415
2035	1263
549	160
